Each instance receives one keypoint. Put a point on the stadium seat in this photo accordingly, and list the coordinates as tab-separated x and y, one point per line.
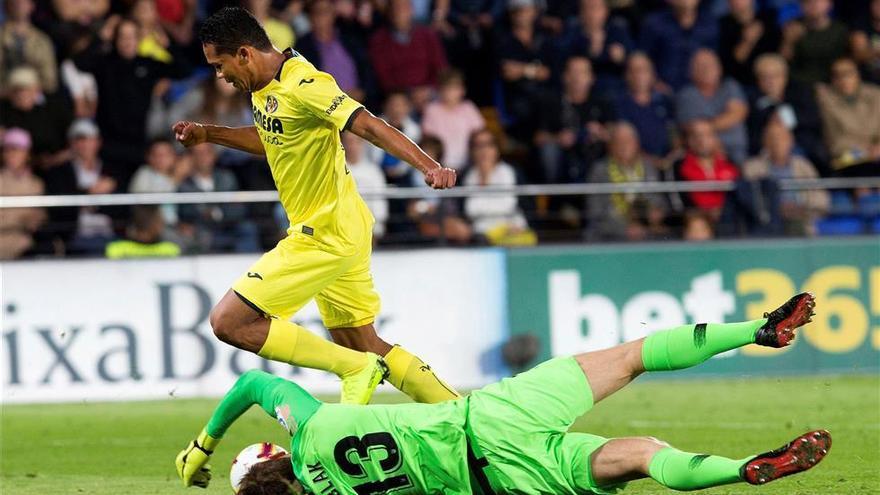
841	225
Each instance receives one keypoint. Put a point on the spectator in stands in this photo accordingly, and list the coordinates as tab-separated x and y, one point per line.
705	161
745	34
45	117
214	227
452	118
496	218
525	54
86	229
368	175
153	41
177	18
21	43
157	175
279	32
398	114
673	36
814	41
800	209
698	226
407	56
851	120
126	83
650	111
719	101
143	237
866	43
468	28
607	43
18	225
81	85
335	51
791	103
571	130
625	216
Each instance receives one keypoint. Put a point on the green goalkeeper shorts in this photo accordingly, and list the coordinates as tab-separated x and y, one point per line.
520	426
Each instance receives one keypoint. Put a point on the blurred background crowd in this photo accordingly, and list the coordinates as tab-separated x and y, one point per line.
505	91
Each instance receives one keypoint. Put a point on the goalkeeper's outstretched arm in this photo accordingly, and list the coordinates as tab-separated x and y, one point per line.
280	398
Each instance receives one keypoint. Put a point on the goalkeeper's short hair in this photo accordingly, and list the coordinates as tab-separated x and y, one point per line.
272	477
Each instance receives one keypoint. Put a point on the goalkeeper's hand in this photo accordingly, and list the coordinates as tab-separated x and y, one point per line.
192	462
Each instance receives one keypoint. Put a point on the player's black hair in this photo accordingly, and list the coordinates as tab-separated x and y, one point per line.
230	28
272	477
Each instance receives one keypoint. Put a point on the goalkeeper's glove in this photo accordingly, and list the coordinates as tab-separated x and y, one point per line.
192	462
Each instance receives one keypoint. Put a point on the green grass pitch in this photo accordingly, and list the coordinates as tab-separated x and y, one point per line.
129	448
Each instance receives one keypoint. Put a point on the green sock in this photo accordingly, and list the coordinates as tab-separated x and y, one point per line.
679	470
690	345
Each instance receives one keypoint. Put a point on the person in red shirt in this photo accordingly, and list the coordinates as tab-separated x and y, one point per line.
705	160
407	56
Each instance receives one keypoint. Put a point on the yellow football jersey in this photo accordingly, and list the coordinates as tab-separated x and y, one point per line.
299	116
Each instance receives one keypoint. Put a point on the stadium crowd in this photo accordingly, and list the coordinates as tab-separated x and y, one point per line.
504	91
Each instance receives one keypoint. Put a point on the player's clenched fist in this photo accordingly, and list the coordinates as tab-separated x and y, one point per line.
440	178
189	133
192	462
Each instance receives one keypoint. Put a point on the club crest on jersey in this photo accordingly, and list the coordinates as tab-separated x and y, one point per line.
282	413
271	104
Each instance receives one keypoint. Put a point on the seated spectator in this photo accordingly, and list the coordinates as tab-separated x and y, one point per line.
698	226
367	175
18	225
126	82
497	218
705	161
673	36
143	237
625	216
153	42
800	209
81	85
45	117
866	43
525	55
719	101
814	41
789	102
279	32
214	227
851	120
745	34
398	114
607	43
21	43
84	230
468	30
650	111
418	56
333	50
157	175
571	127
452	118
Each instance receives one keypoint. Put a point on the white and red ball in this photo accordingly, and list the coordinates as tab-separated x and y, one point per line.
252	454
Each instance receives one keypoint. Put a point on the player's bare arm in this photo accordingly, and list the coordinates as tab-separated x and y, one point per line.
240	138
378	132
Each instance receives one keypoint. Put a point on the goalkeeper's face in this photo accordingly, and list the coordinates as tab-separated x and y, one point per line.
272	477
236	68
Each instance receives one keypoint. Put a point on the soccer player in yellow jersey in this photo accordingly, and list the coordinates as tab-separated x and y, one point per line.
299	113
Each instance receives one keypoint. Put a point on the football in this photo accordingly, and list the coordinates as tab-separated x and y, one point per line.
252	454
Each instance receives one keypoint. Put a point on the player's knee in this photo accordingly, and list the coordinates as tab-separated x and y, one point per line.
650	446
223	326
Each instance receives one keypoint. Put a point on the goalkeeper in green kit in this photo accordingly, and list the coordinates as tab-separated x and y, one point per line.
509	437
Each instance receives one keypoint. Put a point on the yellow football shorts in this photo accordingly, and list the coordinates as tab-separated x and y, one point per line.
286	278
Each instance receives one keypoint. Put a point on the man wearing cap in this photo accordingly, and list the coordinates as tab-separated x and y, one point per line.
18	225
82	174
44	117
